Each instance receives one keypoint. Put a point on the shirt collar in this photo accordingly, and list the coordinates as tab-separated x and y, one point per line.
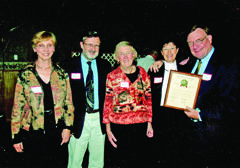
170	65
84	60
209	55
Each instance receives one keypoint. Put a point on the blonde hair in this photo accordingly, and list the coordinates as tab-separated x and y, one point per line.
43	36
124	44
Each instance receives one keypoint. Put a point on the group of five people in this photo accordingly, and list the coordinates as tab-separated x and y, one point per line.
57	109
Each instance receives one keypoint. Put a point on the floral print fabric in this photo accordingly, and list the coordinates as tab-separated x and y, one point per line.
126	102
28	108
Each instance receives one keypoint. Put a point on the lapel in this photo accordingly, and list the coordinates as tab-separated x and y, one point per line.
77	83
157	80
208	87
103	70
210	71
99	73
80	70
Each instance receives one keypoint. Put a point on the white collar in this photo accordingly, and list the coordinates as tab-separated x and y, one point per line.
170	65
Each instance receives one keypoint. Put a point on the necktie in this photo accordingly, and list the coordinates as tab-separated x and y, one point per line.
89	88
198	67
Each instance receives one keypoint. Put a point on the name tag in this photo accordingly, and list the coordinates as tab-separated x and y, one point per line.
158	80
124	84
206	77
36	89
75	75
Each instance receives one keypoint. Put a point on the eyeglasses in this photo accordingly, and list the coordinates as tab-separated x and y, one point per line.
199	41
91	45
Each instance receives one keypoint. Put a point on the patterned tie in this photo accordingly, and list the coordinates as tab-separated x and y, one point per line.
198	67
89	88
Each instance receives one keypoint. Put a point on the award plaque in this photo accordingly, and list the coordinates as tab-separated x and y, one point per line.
182	90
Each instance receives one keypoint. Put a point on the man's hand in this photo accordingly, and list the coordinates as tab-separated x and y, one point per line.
191	113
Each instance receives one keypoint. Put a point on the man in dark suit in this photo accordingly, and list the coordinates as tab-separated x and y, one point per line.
217	98
88	130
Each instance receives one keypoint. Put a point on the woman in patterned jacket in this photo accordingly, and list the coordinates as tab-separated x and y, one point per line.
127	109
42	114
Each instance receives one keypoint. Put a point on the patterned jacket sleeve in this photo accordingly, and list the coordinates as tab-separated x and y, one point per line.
68	115
21	116
108	104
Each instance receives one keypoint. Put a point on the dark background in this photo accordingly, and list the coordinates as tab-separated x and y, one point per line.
143	22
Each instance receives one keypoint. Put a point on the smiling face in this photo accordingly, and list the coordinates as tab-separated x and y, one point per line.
90	47
199	43
44	49
169	52
125	56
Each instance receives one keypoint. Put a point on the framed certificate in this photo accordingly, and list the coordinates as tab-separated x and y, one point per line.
182	90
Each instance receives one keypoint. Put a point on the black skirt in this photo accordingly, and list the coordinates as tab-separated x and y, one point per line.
132	146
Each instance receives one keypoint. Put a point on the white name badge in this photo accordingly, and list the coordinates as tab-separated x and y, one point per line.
36	89
206	77
158	80
75	75
124	84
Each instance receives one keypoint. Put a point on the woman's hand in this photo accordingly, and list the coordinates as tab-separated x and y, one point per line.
156	66
18	147
111	137
149	130
65	136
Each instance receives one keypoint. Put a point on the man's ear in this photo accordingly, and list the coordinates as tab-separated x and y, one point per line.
210	38
81	44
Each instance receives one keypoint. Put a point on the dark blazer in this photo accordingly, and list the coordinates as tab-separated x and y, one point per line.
79	92
167	121
217	98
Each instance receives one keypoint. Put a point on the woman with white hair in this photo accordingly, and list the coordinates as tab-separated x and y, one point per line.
128	108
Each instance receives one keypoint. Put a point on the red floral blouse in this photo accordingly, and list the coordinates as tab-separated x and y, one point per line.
126	102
